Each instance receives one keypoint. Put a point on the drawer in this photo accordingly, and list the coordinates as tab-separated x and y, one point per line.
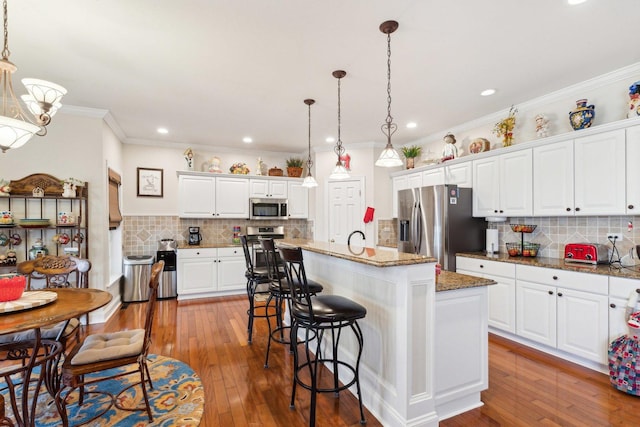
482	266
197	253
622	288
586	282
235	251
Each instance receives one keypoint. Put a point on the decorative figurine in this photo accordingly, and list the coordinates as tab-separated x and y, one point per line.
504	128
542	126
346	161
634	101
4	188
188	156
582	116
450	151
214	165
260	167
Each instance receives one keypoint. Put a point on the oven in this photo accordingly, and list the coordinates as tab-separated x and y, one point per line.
268	209
255	234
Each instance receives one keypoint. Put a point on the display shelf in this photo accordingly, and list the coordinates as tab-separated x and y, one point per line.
522	248
22	203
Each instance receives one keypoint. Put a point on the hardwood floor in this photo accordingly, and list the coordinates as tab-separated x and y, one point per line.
526	387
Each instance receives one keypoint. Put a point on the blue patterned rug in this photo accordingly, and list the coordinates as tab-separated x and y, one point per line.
177	399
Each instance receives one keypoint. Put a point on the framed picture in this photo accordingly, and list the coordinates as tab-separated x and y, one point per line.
150	182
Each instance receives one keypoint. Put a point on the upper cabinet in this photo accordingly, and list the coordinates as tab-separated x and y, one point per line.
267	188
207	196
553	179
502	185
298	204
633	170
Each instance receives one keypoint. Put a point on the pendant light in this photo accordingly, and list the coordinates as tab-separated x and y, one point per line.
389	156
309	181
339	171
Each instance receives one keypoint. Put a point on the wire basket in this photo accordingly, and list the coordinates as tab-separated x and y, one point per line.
523	249
11	287
523	228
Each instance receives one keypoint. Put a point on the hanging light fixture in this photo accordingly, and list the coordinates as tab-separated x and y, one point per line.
43	101
309	181
389	156
339	171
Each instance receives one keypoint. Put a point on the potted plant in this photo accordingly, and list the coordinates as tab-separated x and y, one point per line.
294	167
410	153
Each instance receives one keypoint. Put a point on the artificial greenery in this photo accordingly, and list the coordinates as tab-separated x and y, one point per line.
295	162
411	151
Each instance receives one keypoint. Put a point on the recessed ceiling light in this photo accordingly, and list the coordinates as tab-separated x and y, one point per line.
488	92
247	140
330	140
575	2
163	131
412	125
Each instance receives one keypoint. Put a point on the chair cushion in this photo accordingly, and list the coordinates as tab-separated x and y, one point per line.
49	332
330	308
109	346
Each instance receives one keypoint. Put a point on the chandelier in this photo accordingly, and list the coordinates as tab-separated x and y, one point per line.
43	101
389	156
309	181
339	171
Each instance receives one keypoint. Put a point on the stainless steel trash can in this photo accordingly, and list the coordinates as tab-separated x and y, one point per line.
136	272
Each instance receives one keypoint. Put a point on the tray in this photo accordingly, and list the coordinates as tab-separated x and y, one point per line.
29	299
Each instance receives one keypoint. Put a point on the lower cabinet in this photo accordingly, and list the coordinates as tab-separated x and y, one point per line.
502	295
209	271
571	320
622	293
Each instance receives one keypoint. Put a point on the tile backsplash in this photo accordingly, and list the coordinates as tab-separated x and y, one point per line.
552	233
142	233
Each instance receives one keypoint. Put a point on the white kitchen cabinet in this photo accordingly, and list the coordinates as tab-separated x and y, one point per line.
231	267
553	179
459	174
565	310
502	295
197	271
433	177
397	183
633	170
201	196
298	204
599	172
206	272
414	180
502	185
268	188
620	292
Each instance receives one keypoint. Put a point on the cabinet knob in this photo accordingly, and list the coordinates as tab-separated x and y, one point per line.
495	211
481	265
559	294
555	277
577	209
501	211
612	305
550	292
197	253
630	207
568	209
638	291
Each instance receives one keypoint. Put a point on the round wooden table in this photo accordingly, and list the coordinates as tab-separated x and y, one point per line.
70	303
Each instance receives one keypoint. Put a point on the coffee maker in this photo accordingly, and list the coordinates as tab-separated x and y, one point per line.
194	236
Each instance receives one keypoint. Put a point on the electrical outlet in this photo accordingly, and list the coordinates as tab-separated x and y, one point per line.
615	237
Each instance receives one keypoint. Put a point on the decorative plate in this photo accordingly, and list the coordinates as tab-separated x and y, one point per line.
29	299
479	145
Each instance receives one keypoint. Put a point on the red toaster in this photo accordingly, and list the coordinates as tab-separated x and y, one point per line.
589	253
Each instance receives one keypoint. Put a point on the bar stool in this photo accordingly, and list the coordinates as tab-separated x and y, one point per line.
317	314
257	284
279	293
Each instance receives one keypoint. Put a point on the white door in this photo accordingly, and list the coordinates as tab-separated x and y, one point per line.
536	312
516	183
231	269
553	179
345	209
486	187
502	304
196	196
633	171
232	197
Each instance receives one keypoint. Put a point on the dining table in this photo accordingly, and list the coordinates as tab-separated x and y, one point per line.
33	311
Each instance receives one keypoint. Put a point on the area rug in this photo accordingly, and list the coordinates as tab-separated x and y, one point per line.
177	399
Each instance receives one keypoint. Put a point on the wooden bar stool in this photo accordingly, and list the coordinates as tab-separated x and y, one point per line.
317	315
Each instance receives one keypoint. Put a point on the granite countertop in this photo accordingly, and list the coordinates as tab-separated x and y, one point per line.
449	281
369	256
603	269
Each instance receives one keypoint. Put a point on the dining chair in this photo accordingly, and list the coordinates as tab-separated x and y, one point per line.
100	352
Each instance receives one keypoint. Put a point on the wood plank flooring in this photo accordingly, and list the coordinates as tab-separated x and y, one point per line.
526	387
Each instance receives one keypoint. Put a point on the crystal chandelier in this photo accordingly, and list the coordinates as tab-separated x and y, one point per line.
43	101
389	156
339	171
309	181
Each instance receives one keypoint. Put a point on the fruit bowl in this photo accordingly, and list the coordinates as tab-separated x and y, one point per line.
11	286
523	228
524	250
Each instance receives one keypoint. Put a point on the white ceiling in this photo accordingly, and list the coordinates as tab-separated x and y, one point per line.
214	71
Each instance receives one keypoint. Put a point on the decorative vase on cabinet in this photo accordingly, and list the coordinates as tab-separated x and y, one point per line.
582	116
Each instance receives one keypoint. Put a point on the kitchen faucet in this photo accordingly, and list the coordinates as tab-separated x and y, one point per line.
355	232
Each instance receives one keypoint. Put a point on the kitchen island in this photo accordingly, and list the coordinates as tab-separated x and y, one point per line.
404	331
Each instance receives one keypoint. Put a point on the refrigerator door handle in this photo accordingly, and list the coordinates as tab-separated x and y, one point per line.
418	221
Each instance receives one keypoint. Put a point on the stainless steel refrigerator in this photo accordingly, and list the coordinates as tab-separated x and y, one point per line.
437	222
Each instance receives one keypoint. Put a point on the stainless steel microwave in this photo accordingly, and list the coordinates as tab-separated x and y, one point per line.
268	209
